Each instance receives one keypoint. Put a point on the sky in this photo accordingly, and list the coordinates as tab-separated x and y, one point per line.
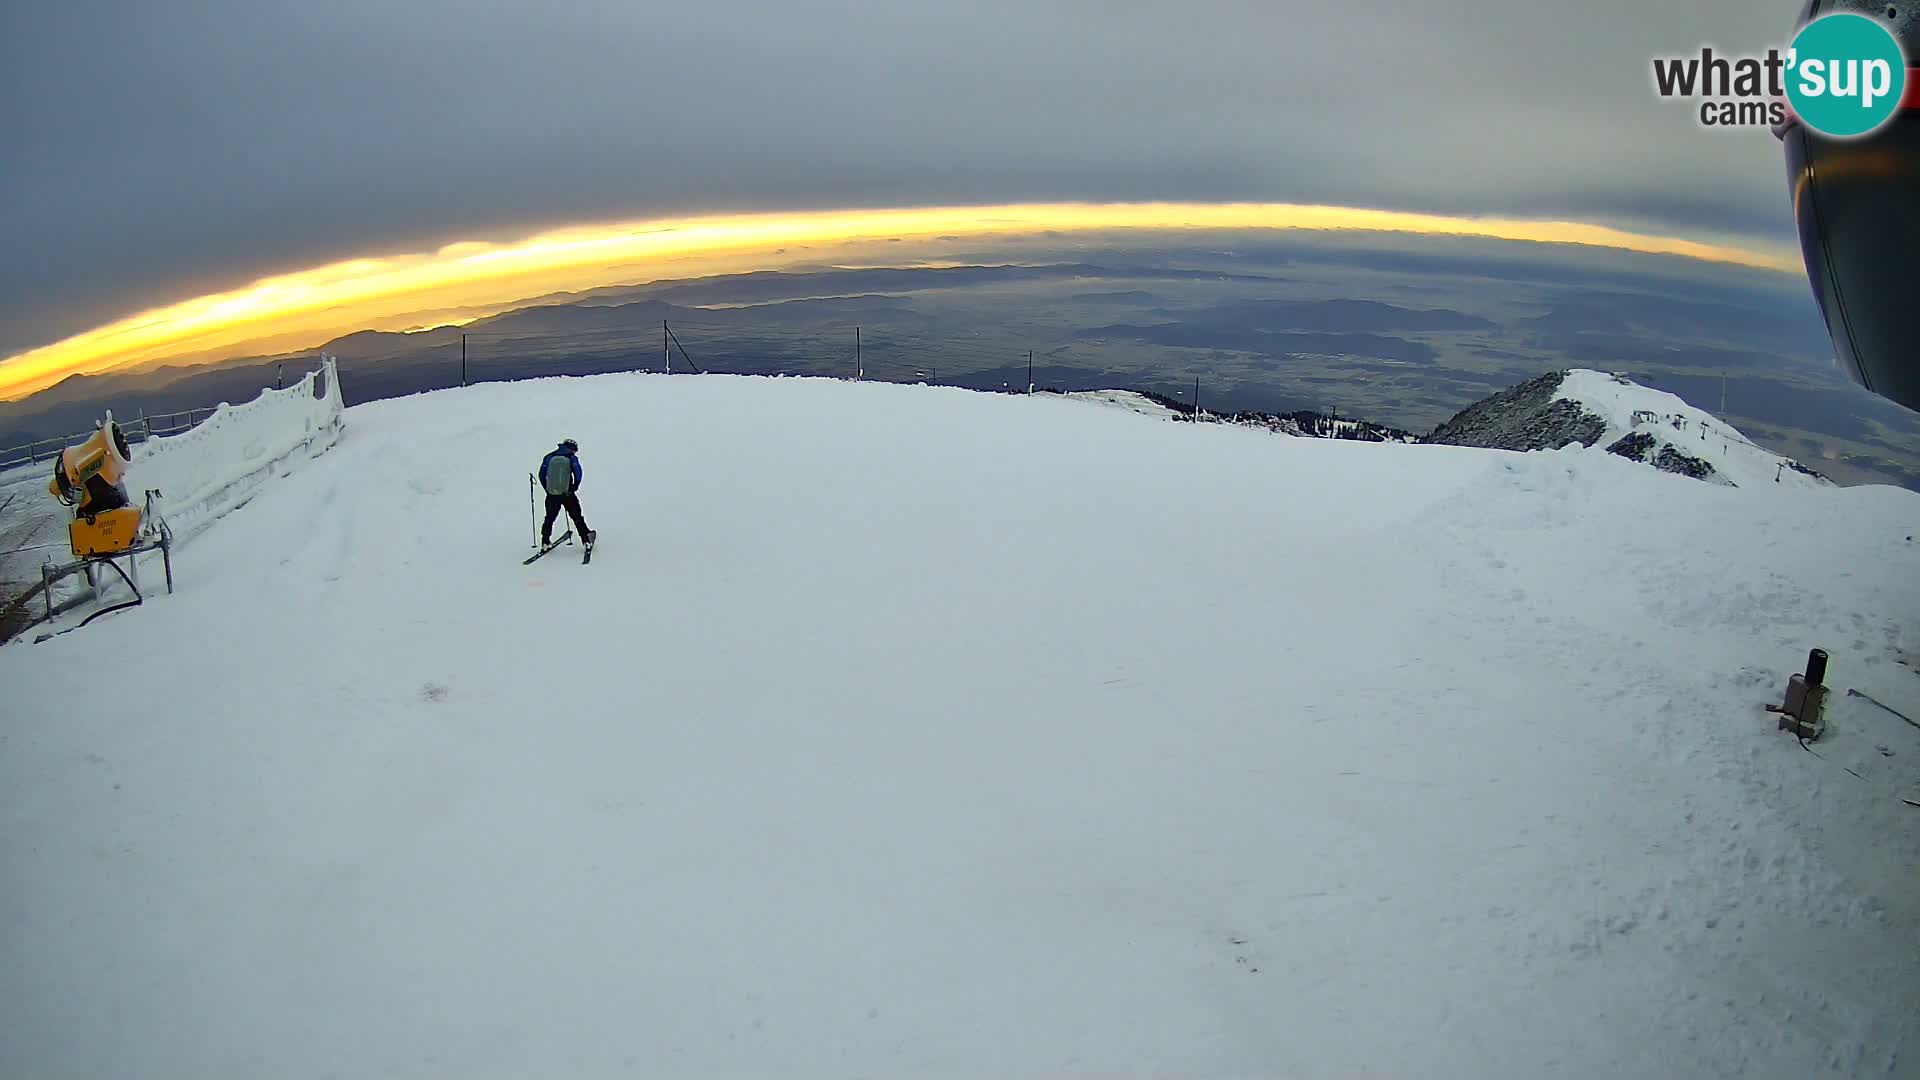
155	153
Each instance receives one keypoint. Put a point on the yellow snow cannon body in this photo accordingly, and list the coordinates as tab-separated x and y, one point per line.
90	478
108	531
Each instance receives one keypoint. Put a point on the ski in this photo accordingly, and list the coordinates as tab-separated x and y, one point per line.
564	537
587	555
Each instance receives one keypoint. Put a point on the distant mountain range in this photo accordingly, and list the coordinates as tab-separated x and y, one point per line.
1387	356
608	329
1552	411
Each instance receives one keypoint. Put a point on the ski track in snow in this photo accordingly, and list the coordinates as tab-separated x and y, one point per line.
916	731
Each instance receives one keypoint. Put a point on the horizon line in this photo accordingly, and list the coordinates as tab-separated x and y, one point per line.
345	296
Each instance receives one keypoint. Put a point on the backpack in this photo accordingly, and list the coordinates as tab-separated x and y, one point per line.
559	478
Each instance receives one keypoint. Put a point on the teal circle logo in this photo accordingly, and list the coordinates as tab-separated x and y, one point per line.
1845	75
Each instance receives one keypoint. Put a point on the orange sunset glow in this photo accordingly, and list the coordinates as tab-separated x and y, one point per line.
303	308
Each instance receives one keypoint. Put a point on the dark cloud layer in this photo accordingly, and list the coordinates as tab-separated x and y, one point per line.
154	151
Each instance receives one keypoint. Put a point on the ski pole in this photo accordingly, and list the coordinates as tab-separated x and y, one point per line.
533	520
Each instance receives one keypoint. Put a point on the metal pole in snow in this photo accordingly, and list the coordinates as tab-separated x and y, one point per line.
666	350
463	359
1029	371
1816	667
859	369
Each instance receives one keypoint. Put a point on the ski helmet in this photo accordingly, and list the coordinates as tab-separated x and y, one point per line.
569	445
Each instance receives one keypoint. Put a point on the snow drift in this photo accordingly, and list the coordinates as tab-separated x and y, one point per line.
921	732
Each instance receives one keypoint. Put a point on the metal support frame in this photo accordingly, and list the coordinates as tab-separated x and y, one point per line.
93	568
158	537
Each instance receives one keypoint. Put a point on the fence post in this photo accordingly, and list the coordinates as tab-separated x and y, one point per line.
1029	372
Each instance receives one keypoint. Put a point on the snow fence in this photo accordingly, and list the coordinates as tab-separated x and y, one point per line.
201	474
213	469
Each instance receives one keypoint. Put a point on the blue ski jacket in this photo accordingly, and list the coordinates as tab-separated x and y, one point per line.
551	454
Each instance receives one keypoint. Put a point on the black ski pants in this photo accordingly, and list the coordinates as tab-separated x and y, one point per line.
572	503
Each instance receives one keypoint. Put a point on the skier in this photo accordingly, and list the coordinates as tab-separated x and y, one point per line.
560	474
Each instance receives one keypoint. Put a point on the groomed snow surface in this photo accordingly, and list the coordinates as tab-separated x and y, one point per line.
907	731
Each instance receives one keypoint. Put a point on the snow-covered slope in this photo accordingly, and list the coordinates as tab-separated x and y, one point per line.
1300	424
1601	409
1663	426
911	731
1129	400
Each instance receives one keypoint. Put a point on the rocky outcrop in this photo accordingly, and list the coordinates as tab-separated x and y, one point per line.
1525	417
1673	461
1639	446
1634	447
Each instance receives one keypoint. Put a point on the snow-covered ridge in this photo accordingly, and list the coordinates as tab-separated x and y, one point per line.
1130	400
1301	424
1661	429
1594	408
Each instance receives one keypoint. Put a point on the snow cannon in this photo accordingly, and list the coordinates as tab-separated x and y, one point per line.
90	478
1856	203
107	528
